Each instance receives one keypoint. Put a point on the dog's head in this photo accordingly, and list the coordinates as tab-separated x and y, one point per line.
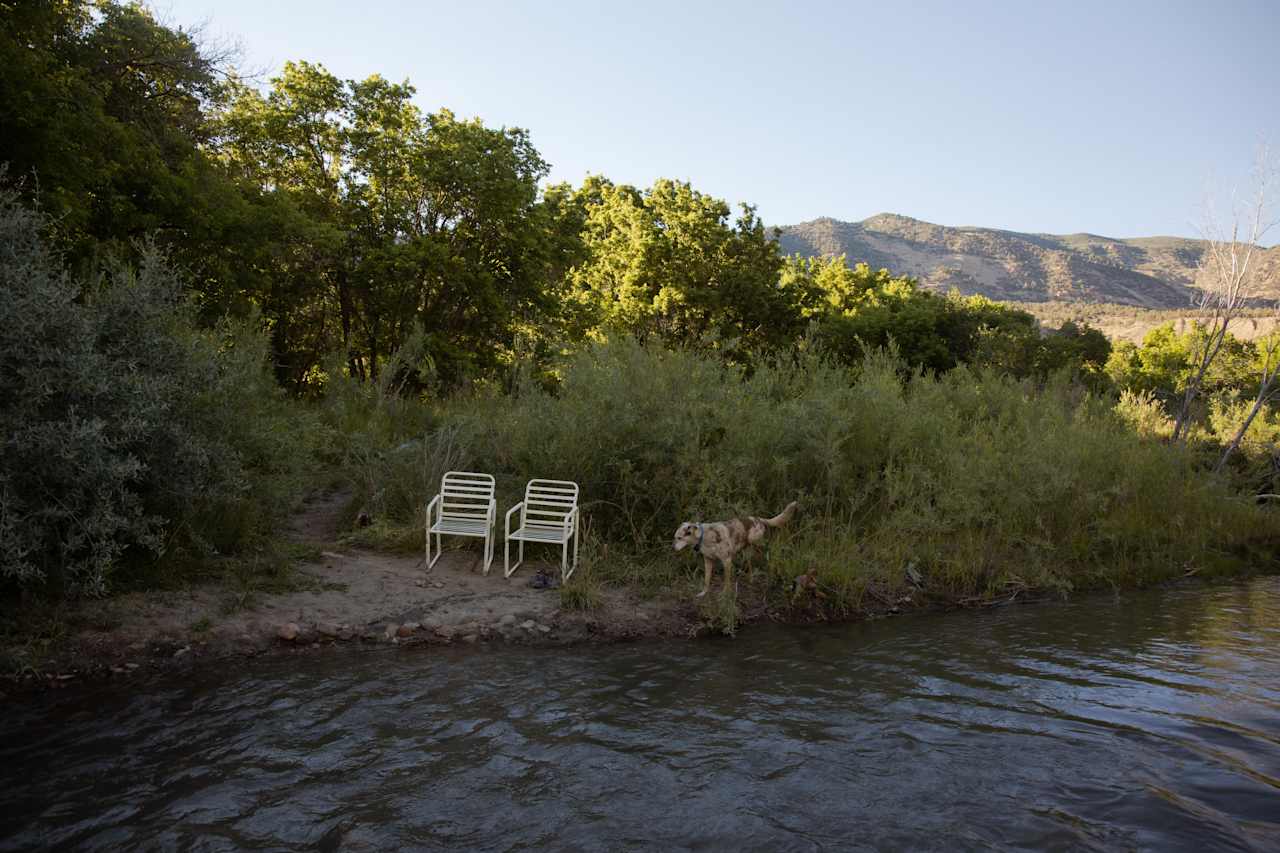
686	535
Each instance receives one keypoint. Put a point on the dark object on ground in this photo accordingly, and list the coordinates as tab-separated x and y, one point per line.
542	580
363	519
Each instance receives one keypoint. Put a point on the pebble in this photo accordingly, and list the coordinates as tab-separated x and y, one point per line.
390	631
544	629
528	624
508	619
406	630
470	638
182	651
288	631
438	585
328	629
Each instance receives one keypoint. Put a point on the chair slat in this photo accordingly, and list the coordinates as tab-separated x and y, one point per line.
547	507
464	509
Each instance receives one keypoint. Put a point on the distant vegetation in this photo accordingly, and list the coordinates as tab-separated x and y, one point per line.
1131	323
214	294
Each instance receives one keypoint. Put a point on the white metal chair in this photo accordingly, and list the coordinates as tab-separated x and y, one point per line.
548	513
464	507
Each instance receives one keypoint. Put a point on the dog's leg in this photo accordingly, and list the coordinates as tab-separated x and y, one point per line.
708	565
728	574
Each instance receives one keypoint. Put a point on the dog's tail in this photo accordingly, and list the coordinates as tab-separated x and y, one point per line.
782	517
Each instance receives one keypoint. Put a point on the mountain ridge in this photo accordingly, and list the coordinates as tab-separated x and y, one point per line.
1148	272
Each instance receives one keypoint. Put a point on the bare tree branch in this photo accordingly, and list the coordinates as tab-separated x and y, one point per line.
1229	270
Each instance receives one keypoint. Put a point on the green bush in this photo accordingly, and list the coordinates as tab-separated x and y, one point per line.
128	436
972	482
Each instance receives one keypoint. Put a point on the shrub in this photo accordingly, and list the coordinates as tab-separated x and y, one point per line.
962	486
979	481
128	436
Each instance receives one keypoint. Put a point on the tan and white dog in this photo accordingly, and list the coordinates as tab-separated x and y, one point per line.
723	540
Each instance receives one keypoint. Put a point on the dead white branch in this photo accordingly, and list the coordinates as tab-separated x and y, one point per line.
1229	271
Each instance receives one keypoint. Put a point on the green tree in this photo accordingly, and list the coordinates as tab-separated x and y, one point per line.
103	116
672	262
857	307
1167	361
414	221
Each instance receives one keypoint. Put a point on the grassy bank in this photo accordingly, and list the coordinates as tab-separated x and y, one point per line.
964	487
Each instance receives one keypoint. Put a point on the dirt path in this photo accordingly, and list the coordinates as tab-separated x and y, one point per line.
351	595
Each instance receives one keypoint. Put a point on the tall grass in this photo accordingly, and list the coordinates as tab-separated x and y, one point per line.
964	486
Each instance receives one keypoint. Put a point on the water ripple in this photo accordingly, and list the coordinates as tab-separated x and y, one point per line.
1100	724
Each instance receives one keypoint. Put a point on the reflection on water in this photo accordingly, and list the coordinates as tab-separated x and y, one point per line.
1150	721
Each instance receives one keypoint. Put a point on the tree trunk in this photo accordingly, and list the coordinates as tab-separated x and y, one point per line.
344	314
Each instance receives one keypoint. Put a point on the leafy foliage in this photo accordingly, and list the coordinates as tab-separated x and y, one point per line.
411	221
669	262
649	343
980	483
128	436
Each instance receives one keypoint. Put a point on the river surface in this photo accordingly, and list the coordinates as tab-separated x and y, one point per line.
1147	721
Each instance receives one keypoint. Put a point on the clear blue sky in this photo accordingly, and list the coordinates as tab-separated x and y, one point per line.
1110	117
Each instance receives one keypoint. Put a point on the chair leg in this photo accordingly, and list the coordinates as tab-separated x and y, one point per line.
431	561
507	569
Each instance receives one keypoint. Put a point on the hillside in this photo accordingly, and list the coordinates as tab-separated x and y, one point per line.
1148	272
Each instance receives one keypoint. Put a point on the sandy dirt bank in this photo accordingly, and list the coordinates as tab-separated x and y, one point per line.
350	596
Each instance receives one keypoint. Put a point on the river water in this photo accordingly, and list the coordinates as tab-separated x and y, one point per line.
1148	721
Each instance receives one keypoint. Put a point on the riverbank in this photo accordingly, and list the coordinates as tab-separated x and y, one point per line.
354	597
346	596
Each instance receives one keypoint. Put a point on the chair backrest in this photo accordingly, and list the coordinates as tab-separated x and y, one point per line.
548	502
465	494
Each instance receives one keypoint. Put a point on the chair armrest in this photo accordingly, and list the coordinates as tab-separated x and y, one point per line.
493	511
569	520
435	502
509	512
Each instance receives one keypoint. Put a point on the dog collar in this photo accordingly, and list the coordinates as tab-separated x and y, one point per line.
698	545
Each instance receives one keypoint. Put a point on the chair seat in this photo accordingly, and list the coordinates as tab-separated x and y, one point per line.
531	533
461	526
